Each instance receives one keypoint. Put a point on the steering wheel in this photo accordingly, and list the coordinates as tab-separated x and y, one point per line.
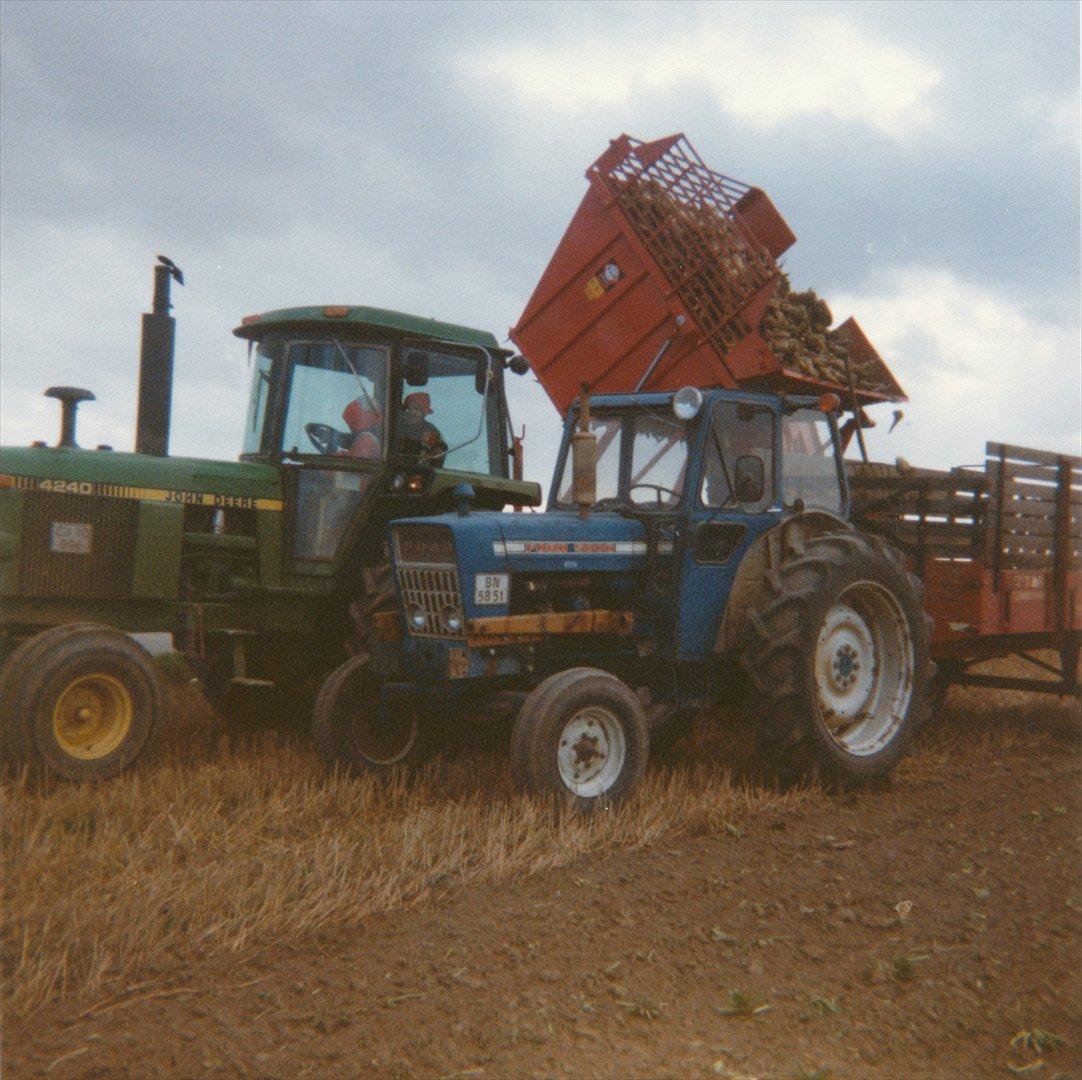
660	491
326	439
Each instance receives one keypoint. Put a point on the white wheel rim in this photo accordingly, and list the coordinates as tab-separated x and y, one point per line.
864	665
591	752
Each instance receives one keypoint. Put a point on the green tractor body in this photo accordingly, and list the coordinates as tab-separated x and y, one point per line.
267	571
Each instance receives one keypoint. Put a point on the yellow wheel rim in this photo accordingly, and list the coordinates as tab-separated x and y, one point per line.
92	717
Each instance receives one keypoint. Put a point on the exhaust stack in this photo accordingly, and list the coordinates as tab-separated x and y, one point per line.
584	459
156	365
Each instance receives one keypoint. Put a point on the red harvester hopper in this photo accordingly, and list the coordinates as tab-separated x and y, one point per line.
662	280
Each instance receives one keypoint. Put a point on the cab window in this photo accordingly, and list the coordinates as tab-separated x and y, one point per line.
327	500
268	355
445	415
809	464
737	430
337	395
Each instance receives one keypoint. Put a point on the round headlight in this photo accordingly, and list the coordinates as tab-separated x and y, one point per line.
416	617
452	619
399	482
687	402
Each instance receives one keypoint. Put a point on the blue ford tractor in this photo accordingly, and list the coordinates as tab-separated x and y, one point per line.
695	549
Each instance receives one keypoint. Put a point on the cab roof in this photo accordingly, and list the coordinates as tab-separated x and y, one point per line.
345	317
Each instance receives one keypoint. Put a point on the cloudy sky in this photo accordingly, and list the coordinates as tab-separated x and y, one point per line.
427	157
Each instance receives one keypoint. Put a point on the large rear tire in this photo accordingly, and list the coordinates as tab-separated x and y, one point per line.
355	729
80	701
837	662
581	734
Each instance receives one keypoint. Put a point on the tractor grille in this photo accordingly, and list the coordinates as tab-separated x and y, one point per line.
428	579
75	545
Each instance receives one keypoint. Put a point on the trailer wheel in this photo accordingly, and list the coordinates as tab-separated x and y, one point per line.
838	659
80	701
353	729
582	733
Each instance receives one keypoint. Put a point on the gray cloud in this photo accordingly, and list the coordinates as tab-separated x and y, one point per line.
291	153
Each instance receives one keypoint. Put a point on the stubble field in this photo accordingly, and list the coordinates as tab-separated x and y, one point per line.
227	909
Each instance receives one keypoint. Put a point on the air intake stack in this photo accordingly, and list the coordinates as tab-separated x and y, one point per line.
156	365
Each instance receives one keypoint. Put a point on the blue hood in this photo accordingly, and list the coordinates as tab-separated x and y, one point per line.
497	542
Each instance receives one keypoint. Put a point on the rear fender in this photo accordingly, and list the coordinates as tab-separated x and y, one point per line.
764	556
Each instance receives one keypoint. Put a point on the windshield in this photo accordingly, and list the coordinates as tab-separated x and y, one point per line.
445	419
336	402
642	459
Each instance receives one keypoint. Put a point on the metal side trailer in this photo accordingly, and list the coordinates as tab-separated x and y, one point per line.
1000	551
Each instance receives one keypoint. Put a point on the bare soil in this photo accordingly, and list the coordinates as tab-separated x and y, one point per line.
914	931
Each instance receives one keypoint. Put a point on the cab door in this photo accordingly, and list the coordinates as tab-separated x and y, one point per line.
735	502
334	430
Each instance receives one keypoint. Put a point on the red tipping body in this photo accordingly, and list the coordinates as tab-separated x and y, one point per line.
662	280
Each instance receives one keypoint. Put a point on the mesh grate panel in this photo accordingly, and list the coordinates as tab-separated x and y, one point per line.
685	215
98	565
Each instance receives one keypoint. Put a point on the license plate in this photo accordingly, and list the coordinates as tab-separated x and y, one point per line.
490	588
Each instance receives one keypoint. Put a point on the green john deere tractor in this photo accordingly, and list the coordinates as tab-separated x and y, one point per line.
267	571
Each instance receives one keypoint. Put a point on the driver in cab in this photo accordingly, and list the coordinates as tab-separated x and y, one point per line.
418	436
364	427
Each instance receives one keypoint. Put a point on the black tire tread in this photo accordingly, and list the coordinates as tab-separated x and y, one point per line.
531	754
329	732
25	678
326	730
775	657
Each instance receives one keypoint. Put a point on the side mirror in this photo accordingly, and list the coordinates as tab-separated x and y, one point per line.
481	379
749	478
416	368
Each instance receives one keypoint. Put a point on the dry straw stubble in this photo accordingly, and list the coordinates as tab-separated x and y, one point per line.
213	850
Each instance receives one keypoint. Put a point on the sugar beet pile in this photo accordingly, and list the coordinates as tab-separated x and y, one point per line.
715	270
796	326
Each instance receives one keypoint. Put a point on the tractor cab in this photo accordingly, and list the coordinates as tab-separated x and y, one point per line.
364	402
707	475
682	455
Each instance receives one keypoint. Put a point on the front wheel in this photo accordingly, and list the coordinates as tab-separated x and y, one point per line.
80	701
582	733
356	727
838	660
